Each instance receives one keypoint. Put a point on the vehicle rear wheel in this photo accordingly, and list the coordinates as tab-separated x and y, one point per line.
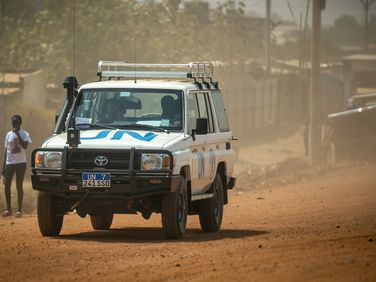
101	222
211	210
49	221
175	211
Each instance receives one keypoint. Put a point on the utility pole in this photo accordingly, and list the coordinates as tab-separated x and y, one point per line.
315	125
305	32
267	36
300	44
366	5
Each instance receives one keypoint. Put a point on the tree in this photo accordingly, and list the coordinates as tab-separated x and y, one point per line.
163	31
346	31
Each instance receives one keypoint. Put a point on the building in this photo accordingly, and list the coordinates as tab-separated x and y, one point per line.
359	72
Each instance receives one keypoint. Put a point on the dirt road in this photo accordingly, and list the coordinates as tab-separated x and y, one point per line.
320	230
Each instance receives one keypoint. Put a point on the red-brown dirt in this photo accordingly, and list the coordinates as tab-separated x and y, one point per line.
322	229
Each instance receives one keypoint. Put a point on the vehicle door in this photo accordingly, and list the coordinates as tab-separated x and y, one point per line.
223	137
203	148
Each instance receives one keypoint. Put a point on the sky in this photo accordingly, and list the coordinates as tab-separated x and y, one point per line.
333	10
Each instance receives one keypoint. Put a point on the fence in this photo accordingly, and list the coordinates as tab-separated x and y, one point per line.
257	107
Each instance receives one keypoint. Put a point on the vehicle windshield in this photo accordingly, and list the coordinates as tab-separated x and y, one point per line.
129	108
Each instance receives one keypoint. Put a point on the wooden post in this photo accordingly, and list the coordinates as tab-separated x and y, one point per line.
315	124
267	37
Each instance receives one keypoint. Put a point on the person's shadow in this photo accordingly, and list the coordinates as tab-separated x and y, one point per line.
155	235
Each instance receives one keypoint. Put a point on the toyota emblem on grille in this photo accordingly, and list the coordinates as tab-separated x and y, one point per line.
101	161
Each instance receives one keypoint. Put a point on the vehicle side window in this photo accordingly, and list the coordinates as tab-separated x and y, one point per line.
193	113
220	111
210	113
204	109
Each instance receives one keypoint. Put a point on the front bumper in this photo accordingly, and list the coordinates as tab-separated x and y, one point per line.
122	186
125	183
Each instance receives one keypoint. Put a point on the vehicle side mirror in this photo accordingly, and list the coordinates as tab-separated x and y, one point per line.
201	126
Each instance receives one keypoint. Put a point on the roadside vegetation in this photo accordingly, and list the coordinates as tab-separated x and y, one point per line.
159	31
39	34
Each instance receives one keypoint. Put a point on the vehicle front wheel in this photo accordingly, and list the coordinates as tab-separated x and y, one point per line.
49	220
175	211
211	210
101	222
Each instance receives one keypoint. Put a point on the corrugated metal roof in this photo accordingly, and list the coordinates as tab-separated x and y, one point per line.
360	57
352	111
10	83
8	91
362	91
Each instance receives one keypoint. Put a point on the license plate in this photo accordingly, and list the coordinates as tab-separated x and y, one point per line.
96	180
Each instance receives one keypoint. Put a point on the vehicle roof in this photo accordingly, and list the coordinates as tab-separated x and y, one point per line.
141	84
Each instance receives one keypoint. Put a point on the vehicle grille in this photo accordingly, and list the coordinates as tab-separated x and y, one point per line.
85	159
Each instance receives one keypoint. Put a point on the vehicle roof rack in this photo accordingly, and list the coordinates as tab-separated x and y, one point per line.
120	69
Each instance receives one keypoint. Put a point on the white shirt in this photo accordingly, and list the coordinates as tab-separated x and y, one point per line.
15	153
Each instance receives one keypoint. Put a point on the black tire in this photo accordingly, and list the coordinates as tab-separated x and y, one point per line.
211	210
49	221
174	212
101	222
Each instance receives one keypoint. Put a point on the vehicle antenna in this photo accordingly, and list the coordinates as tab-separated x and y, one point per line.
135	59
74	38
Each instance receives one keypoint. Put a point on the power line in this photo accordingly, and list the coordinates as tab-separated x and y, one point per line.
291	11
74	39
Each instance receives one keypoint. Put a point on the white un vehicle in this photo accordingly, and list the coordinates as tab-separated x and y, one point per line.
144	138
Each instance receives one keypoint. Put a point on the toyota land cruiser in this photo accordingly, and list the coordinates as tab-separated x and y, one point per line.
144	138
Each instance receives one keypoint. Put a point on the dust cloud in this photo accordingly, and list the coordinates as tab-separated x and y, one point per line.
265	108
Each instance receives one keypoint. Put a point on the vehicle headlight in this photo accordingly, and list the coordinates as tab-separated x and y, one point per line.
155	162
46	159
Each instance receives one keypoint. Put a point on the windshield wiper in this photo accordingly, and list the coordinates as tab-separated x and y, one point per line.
96	126
144	126
102	126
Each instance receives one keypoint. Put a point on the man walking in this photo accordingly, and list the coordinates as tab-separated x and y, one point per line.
16	142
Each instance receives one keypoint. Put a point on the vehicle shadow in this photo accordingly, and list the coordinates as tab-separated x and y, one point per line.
155	235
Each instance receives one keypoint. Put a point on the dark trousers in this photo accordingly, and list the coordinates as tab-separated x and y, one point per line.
10	169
